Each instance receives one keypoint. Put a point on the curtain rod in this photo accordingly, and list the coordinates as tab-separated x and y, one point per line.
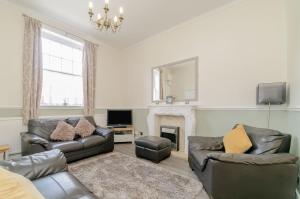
60	29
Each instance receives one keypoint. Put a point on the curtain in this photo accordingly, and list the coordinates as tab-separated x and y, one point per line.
89	77
32	68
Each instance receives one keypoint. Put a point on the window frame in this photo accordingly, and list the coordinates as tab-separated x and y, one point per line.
54	35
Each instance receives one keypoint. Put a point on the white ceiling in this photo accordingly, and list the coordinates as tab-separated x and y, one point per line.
143	18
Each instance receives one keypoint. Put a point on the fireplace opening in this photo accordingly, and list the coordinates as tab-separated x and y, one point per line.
171	133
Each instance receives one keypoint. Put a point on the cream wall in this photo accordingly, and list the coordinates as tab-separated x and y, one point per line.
11	40
293	50
238	46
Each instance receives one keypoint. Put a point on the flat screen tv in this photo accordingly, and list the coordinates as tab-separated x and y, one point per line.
119	117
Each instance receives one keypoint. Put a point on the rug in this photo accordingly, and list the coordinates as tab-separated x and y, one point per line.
119	176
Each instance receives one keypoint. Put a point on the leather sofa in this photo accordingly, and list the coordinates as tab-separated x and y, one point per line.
48	172
266	171
37	139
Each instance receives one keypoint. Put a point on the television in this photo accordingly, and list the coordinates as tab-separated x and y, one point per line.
119	117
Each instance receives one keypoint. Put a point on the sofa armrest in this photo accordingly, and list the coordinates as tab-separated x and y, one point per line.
34	139
206	143
249	159
105	132
37	165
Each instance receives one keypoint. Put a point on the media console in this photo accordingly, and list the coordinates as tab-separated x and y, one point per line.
124	134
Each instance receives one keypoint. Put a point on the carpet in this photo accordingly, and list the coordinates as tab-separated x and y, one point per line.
119	176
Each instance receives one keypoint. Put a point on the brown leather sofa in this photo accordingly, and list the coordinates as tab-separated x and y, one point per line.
49	173
37	139
266	171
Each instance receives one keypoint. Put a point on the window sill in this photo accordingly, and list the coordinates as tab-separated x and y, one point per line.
60	107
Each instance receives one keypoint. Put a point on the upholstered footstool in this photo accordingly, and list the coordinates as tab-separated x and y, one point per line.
153	148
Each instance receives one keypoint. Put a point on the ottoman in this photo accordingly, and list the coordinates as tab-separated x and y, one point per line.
153	148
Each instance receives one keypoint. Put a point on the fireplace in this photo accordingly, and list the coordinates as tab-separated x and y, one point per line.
186	112
171	133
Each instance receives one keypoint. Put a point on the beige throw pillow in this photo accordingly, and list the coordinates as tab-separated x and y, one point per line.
14	186
84	128
63	132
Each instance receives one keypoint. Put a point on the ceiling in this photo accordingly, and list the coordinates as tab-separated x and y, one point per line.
143	18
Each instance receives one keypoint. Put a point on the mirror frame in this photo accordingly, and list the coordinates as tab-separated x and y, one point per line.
170	65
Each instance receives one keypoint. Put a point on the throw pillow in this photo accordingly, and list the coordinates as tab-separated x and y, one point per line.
84	128
237	140
63	132
16	186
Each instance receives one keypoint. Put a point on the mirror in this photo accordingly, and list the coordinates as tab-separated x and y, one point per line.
177	80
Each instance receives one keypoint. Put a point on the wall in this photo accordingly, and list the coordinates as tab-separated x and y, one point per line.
293	60
238	46
11	39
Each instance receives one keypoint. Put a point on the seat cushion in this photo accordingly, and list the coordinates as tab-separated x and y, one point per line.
237	140
153	142
62	186
66	146
91	141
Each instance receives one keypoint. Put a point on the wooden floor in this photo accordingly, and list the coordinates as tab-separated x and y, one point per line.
175	164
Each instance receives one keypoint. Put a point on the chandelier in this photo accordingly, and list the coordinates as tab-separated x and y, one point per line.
104	22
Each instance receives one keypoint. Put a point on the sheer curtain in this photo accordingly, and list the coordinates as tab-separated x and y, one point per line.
32	68
89	77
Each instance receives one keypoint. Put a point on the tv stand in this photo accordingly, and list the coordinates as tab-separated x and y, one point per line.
123	134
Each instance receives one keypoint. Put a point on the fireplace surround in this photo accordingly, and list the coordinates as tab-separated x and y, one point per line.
188	112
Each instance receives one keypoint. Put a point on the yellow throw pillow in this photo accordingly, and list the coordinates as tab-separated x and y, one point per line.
15	186
237	140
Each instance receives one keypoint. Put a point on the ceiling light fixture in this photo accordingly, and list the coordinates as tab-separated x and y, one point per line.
106	23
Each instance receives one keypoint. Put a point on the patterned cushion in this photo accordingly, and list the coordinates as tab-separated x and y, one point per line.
63	132
84	128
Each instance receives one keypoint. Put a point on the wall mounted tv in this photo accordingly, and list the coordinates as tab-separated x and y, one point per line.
119	117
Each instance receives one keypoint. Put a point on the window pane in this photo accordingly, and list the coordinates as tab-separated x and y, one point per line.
66	66
61	89
62	72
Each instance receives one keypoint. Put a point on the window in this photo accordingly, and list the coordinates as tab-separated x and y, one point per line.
62	70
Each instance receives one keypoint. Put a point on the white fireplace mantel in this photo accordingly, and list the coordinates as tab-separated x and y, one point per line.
188	112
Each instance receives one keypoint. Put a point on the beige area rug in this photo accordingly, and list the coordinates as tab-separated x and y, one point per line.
119	176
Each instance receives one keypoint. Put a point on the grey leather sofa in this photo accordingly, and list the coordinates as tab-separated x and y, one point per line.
49	173
266	171
37	139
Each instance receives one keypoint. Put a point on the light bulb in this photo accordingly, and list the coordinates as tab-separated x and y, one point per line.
121	10
115	19
99	16
106	2
91	5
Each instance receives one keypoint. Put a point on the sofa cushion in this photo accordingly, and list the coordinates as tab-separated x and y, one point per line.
74	120
66	146
84	128
63	132
267	141
62	186
153	142
42	127
91	141
237	140
16	186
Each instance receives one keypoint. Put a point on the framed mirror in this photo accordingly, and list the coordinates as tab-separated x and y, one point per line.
178	80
